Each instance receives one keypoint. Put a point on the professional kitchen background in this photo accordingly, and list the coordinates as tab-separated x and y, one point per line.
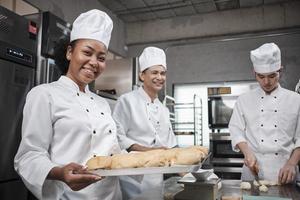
207	43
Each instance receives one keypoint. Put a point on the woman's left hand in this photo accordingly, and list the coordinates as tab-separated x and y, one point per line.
74	175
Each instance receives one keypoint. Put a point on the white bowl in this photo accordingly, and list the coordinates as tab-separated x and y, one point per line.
202	175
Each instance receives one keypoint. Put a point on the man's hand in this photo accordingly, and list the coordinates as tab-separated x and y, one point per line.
137	147
251	162
250	159
74	175
287	173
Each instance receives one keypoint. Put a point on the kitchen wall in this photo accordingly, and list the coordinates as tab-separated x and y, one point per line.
217	61
70	9
215	47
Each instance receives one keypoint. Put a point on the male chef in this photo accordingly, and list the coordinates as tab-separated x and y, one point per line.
265	124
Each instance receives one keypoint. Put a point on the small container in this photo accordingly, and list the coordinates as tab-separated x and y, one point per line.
202	175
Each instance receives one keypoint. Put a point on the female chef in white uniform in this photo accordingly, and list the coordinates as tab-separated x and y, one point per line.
265	124
143	122
64	124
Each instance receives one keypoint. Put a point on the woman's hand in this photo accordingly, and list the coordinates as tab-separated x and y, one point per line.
74	175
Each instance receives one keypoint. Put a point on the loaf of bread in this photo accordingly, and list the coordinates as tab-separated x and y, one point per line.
154	158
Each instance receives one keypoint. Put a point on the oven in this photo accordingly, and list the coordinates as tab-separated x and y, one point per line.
227	163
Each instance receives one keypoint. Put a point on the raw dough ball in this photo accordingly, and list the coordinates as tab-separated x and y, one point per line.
263	188
256	183
265	182
272	183
245	186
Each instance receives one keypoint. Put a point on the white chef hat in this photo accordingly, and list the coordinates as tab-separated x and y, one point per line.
152	56
93	24
266	58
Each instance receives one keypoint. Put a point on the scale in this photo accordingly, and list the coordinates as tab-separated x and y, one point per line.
195	190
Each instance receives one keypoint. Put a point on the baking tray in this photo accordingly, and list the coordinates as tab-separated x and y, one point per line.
150	170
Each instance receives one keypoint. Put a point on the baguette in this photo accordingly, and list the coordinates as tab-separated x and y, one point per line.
154	158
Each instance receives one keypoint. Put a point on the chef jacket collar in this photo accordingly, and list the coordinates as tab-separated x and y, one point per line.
71	84
145	96
275	93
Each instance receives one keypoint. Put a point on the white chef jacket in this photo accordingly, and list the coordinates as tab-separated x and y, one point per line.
61	124
142	122
270	124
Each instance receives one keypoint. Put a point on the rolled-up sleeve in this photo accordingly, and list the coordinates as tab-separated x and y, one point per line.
32	160
121	116
237	126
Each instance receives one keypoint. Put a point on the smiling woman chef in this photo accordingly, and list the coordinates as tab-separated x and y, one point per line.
65	124
265	124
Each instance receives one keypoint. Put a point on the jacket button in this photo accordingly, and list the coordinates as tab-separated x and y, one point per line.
261	125
262	140
275	126
87	110
275	110
94	155
102	113
262	97
262	110
276	154
77	94
92	98
157	122
275	140
275	97
109	131
94	131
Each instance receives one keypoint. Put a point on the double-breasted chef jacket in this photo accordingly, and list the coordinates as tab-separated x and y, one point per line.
61	125
141	121
270	124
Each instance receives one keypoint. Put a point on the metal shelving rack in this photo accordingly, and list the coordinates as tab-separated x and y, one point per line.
188	119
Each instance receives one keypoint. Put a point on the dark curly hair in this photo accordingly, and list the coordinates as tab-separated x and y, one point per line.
60	49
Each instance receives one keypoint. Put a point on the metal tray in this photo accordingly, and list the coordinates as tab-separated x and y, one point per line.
150	170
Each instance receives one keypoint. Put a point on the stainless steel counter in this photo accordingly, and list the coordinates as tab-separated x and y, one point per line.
232	188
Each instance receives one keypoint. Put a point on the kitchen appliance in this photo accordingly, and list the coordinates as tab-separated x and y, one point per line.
227	163
120	76
17	70
51	30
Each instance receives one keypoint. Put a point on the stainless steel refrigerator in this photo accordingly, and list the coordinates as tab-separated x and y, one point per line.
17	72
51	29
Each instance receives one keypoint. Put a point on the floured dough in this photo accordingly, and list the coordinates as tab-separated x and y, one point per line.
273	183
255	183
265	182
263	188
245	186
